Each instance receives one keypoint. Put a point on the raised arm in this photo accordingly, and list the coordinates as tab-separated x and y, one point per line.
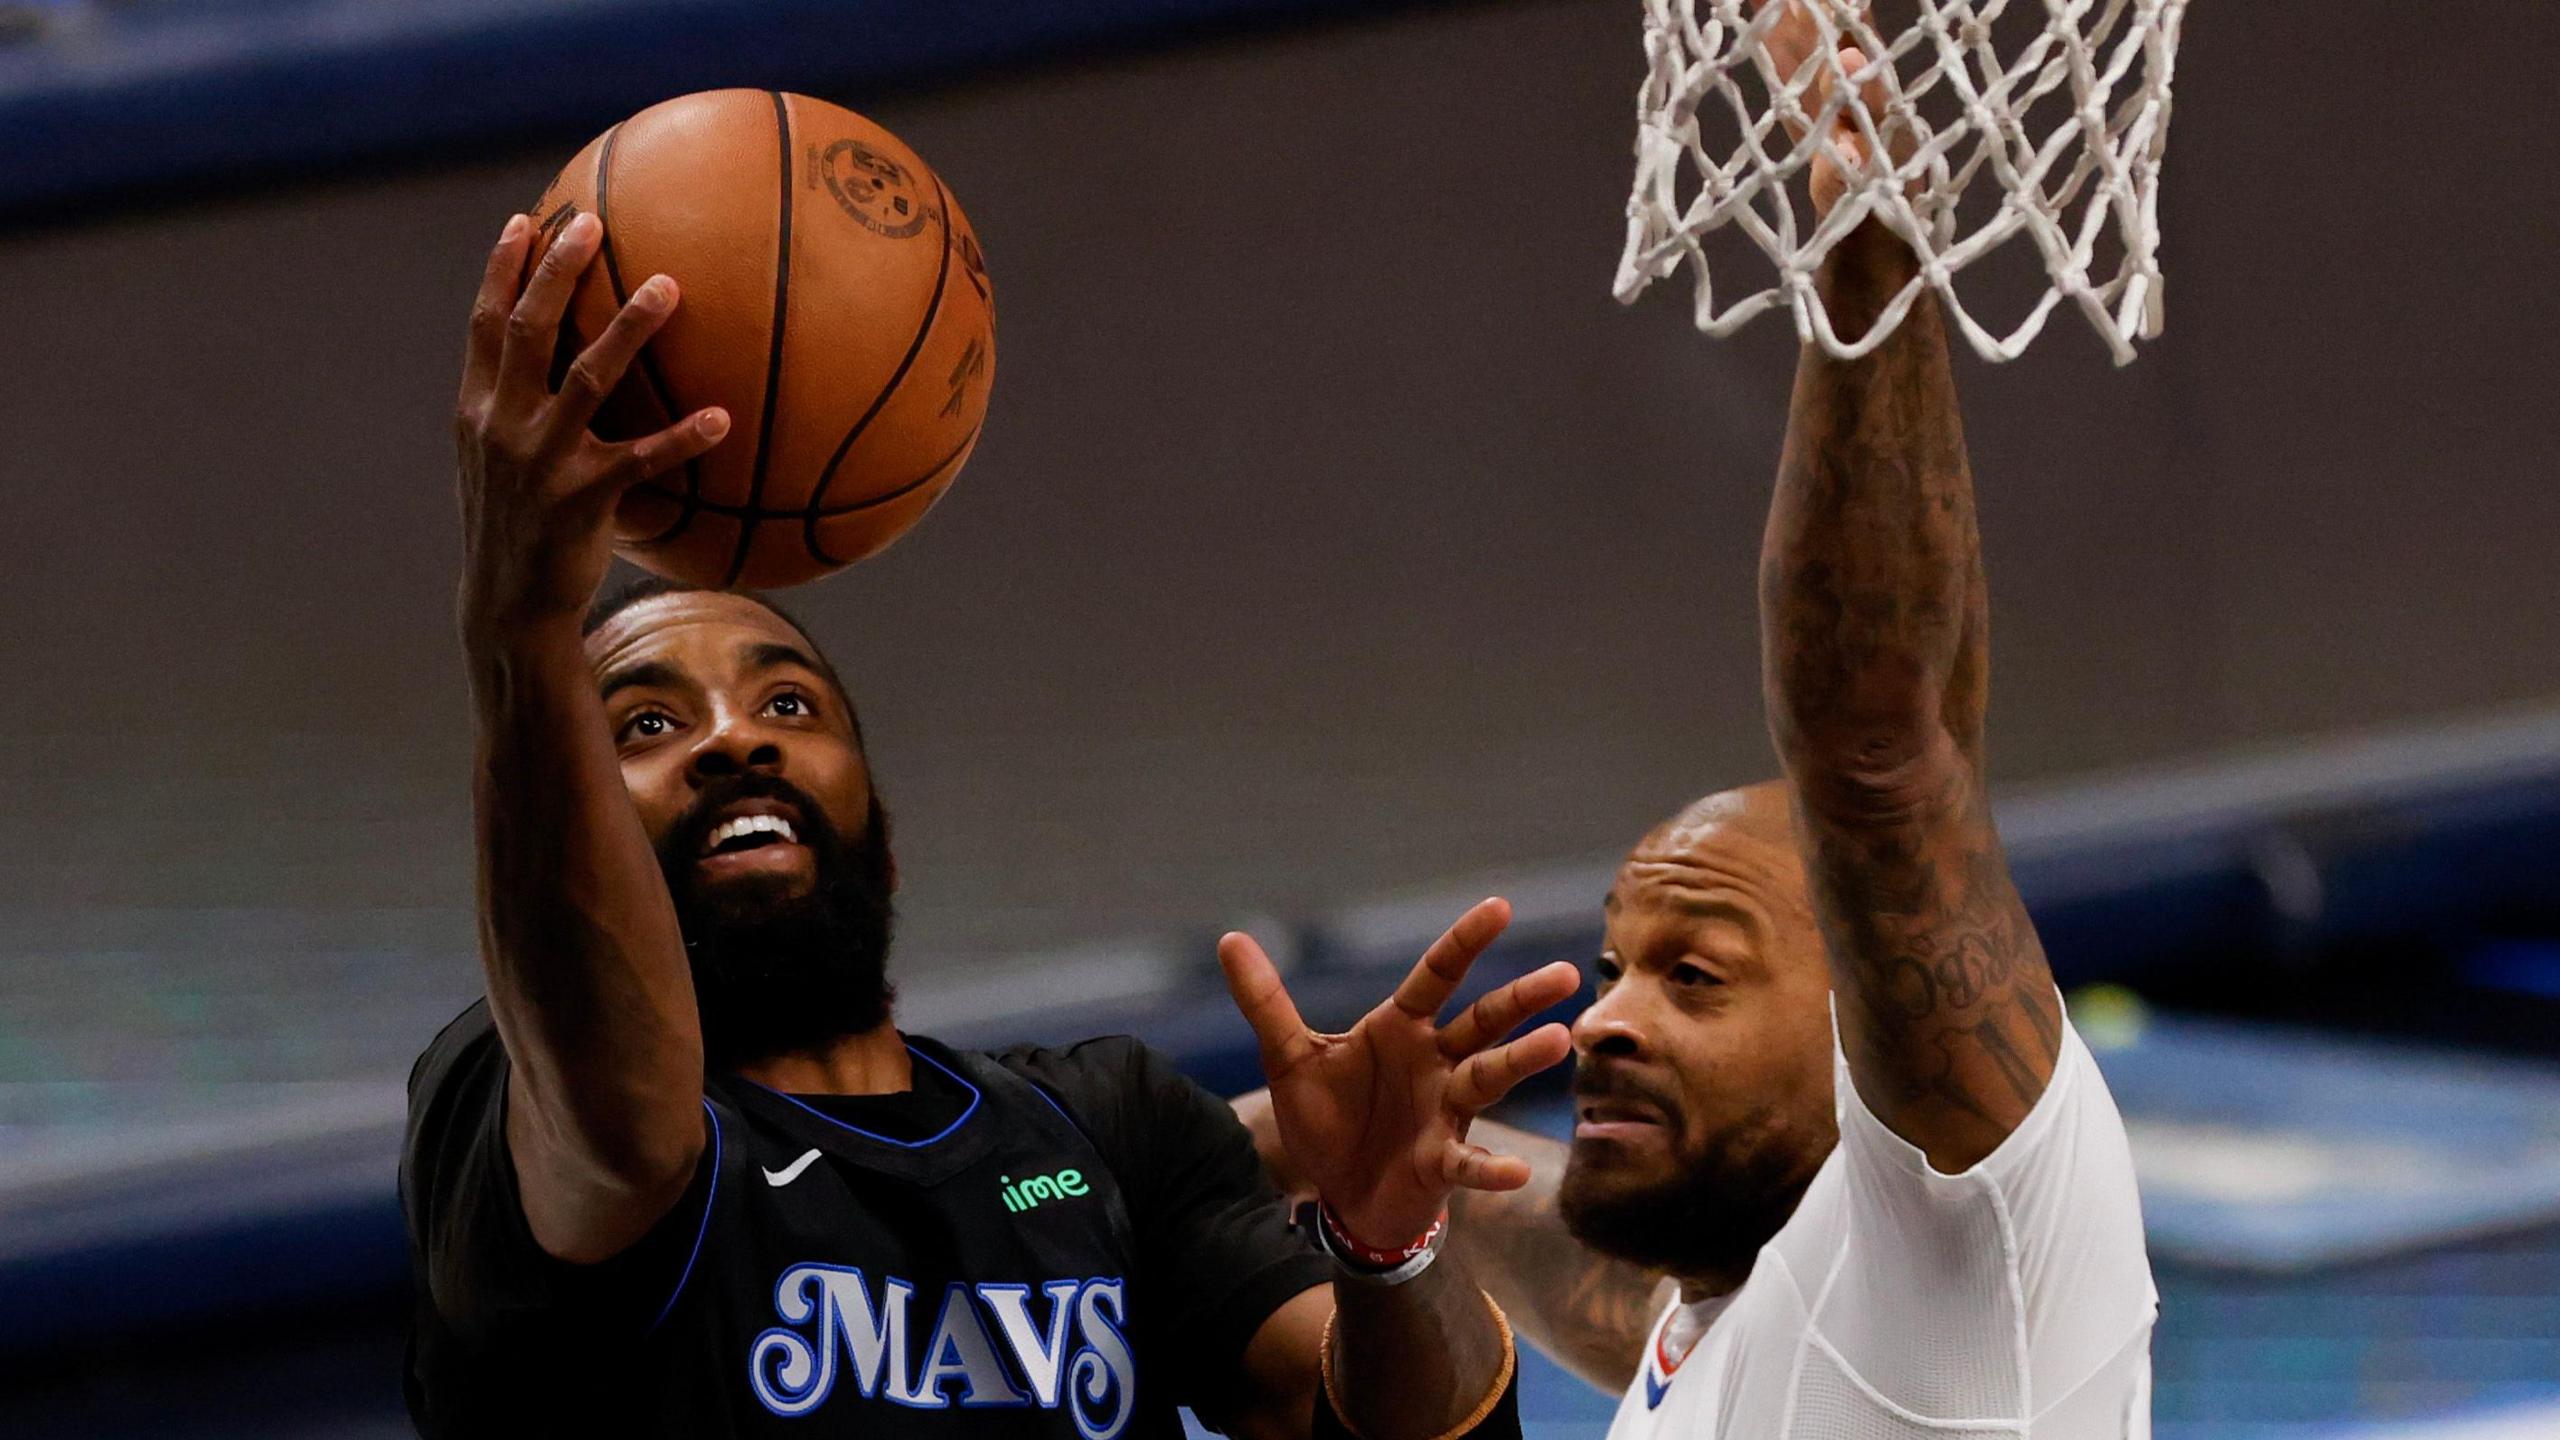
1873	639
586	970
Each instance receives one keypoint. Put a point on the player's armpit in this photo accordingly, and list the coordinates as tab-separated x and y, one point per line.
1874	635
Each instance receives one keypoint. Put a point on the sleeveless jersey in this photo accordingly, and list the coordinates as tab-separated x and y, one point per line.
818	1280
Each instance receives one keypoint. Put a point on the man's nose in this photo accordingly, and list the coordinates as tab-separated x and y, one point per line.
1613	1026
732	745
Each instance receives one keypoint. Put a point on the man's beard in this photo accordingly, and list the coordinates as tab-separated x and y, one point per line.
775	973
1708	1218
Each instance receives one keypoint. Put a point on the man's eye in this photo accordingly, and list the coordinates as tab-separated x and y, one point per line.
1693	975
647	725
792	702
1607	970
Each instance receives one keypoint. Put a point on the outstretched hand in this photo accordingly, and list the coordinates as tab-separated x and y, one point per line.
1377	1116
538	489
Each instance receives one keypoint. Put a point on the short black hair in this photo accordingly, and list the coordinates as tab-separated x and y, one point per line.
613	599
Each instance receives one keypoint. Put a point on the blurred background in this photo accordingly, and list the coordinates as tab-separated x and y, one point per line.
1337	553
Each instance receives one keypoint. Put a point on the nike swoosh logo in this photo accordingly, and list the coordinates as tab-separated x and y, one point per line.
790	1172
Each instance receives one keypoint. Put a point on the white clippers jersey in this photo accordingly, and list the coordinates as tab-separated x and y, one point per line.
1898	1303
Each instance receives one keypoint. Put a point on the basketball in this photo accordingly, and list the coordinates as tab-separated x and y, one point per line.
834	301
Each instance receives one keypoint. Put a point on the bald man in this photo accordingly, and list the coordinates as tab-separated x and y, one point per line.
1840	1167
1729	1157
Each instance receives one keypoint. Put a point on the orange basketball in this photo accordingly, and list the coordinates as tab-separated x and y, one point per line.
834	302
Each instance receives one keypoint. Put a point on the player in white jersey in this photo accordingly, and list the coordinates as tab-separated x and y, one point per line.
1842	1170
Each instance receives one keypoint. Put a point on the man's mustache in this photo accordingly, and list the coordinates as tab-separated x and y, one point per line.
699	818
1617	1082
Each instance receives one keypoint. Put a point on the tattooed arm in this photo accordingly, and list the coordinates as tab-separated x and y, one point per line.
1583	1310
1874	627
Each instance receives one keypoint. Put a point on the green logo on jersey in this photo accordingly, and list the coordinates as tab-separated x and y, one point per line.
1065	1185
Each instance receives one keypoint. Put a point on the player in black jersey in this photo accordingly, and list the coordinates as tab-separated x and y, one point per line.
680	1174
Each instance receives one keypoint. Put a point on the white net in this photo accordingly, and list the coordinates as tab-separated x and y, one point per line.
2053	113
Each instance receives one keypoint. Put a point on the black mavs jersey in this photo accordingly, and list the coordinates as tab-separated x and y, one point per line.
1065	1243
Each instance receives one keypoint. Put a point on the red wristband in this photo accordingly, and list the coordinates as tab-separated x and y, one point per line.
1348	1248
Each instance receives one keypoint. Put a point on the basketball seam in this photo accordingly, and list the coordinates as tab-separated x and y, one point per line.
759	514
902	491
889	388
648	363
773	352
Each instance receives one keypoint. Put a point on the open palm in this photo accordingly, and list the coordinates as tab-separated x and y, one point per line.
1376	1117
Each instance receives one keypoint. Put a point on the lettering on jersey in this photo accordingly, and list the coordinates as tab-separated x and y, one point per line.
1065	1185
793	1376
1104	1375
835	1321
960	1353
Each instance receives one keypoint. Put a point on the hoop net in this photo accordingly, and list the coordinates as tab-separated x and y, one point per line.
2062	133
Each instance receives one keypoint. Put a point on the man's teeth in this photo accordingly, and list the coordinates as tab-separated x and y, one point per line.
751	825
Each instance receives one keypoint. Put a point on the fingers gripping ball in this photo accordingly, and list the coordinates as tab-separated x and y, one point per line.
834	302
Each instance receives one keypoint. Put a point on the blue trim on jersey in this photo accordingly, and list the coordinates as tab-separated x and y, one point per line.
976	1096
1654	1389
1043	1092
709	1199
